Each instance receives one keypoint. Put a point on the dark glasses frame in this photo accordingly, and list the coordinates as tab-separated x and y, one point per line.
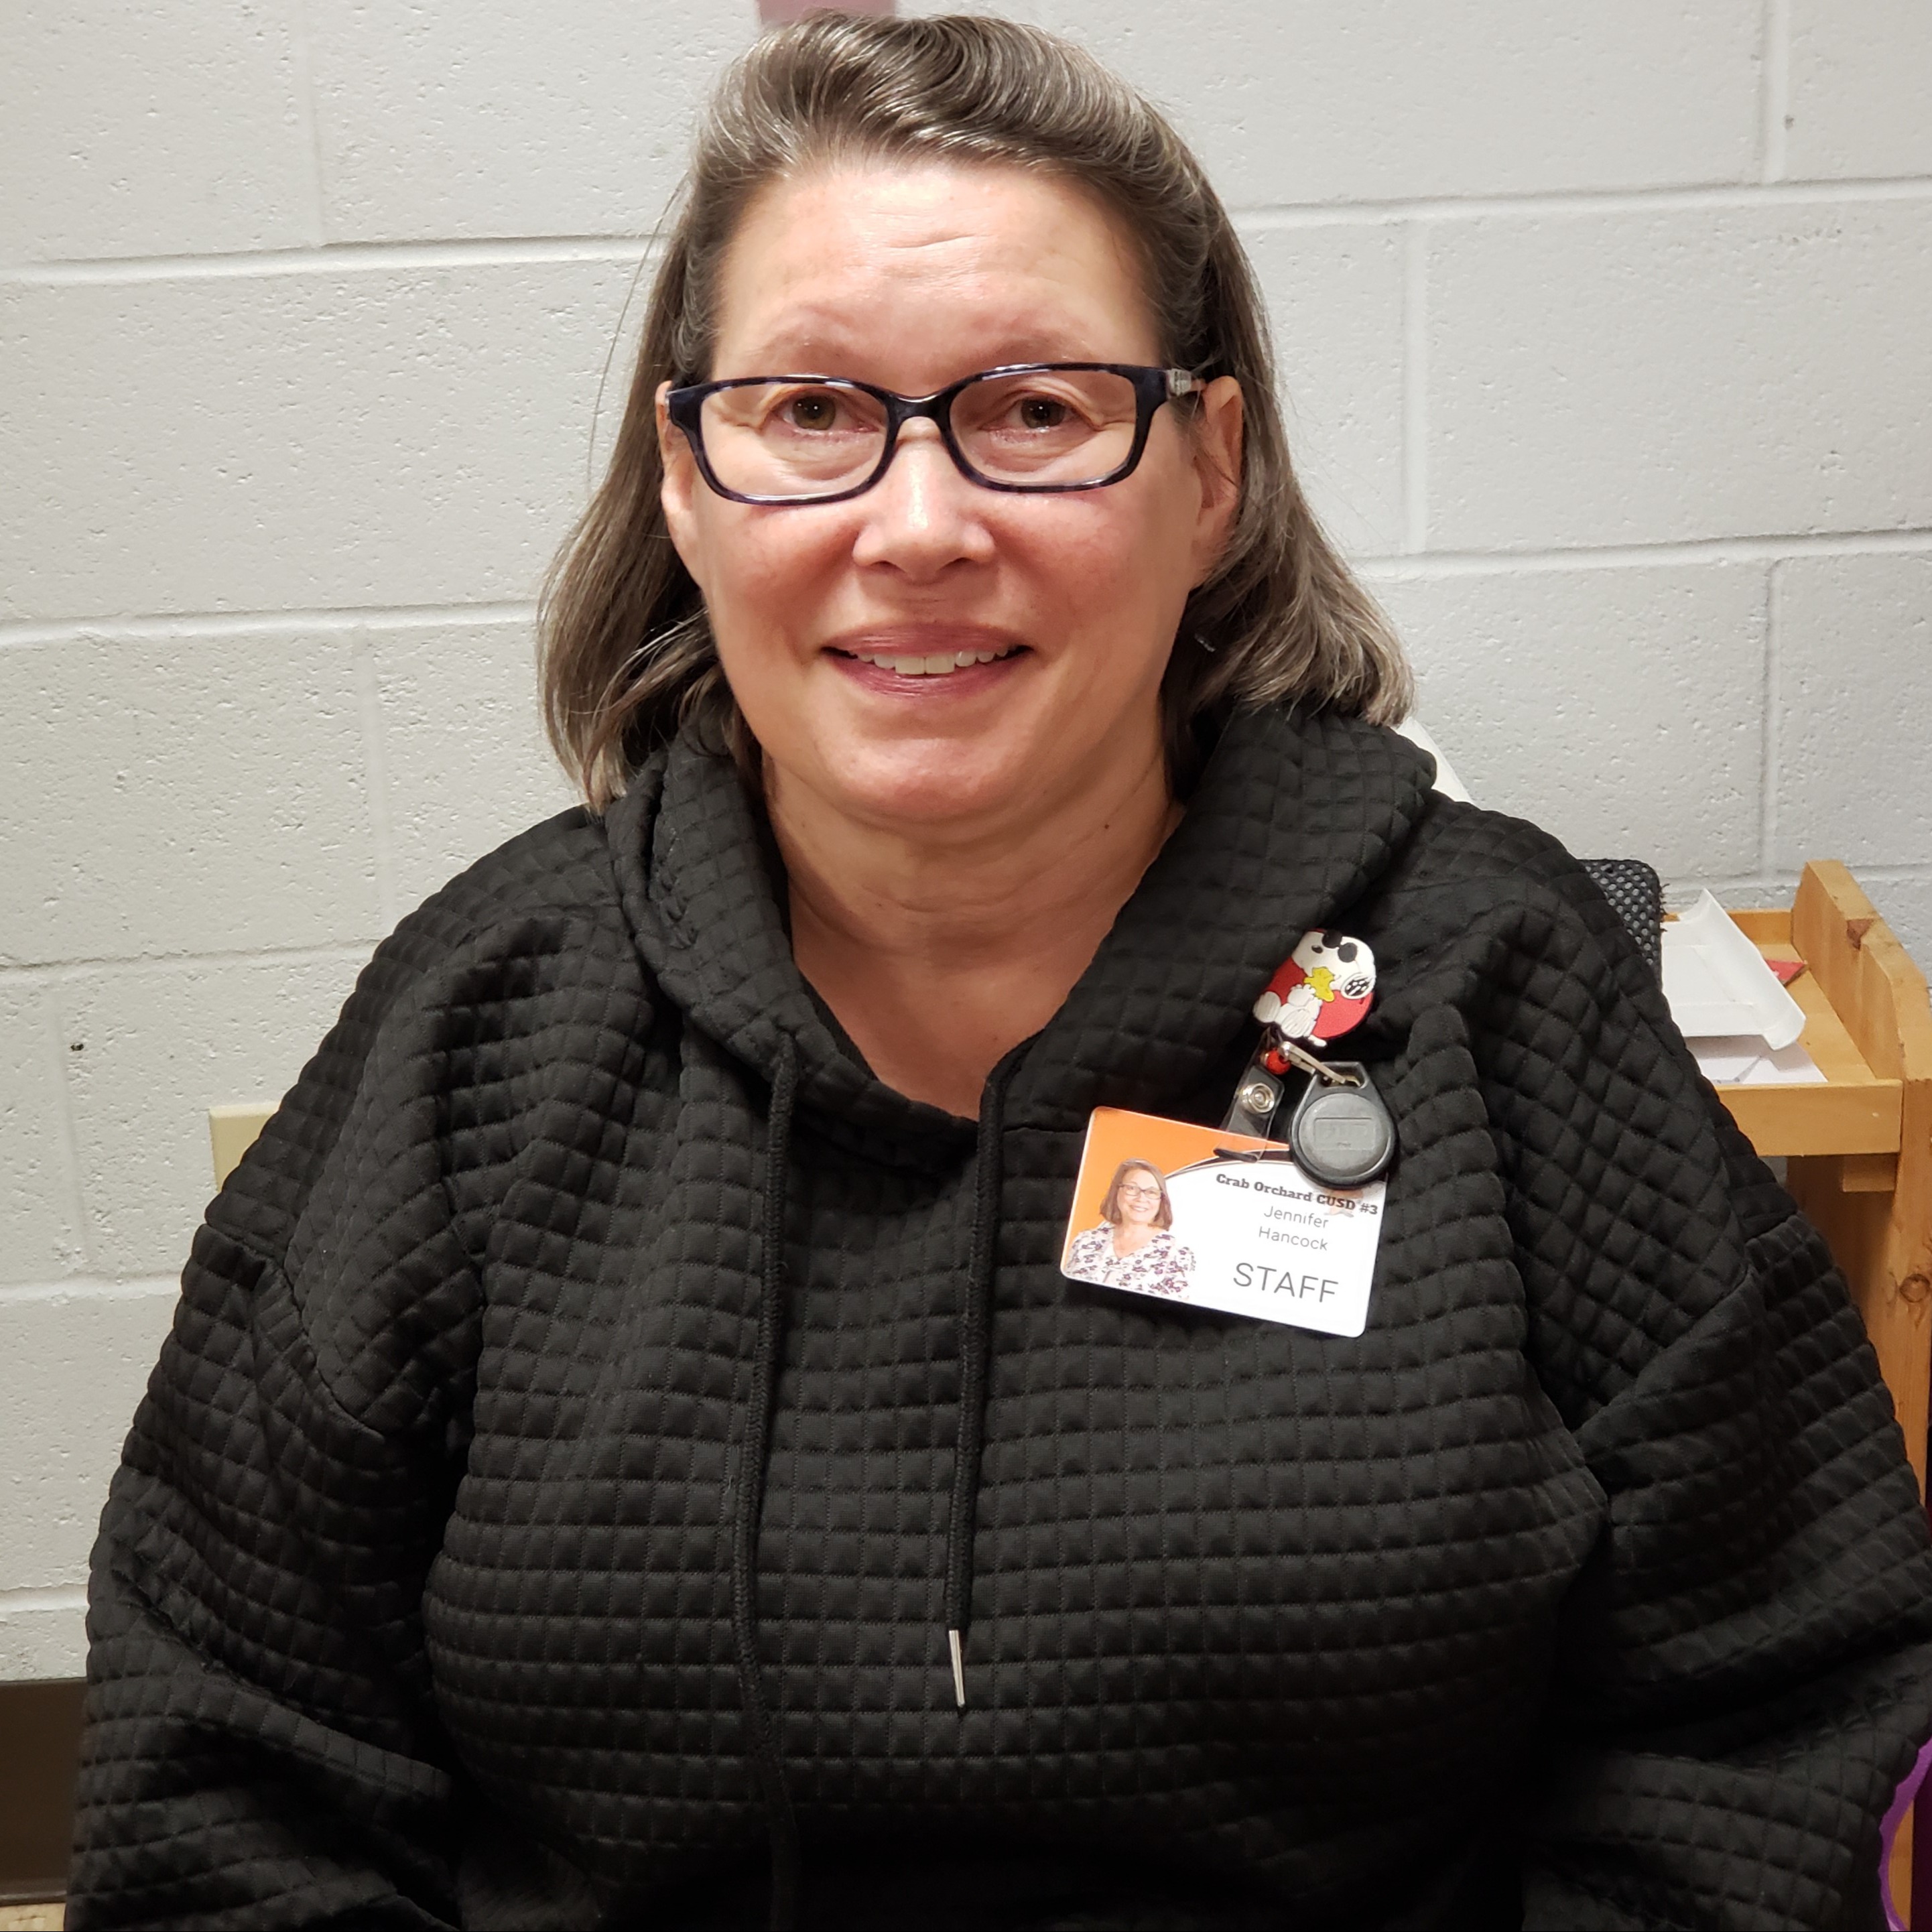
1153	386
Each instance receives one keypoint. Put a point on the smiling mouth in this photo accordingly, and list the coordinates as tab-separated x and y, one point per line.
939	664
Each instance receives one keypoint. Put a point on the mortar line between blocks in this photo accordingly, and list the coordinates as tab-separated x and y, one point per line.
375	774
330	257
54	972
1414	389
1721	883
190	625
92	1287
1622	556
1774	90
1769	774
1450	210
510	251
53	1042
302	50
13	1603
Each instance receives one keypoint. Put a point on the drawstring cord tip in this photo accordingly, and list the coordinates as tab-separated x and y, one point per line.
959	1668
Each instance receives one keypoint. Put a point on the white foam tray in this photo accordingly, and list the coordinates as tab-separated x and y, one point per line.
1717	981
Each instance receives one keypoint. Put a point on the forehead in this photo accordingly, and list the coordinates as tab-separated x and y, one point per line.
913	273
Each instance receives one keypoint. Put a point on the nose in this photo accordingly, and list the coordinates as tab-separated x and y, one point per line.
922	516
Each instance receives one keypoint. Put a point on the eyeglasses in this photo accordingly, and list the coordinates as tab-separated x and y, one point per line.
1030	427
1141	1193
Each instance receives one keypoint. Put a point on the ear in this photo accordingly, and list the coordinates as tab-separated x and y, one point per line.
678	490
1217	468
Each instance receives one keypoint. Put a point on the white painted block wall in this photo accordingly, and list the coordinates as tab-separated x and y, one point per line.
1606	331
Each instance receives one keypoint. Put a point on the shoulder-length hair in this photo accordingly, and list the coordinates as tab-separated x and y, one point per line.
625	653
1110	1207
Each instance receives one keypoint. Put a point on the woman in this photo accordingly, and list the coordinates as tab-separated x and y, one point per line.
1134	1245
626	1412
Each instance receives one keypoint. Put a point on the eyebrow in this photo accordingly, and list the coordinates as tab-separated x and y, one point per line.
829	352
824	370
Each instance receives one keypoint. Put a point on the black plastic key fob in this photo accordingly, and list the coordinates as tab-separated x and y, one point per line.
1342	1135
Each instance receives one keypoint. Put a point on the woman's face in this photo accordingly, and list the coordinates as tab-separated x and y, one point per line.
1138	1198
911	276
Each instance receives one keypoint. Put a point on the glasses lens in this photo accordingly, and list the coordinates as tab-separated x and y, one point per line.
1052	427
792	439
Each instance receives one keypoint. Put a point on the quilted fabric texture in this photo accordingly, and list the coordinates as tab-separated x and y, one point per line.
596	1398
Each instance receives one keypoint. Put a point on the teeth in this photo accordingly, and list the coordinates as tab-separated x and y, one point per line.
939	666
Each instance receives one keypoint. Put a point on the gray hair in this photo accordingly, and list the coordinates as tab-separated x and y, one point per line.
625	651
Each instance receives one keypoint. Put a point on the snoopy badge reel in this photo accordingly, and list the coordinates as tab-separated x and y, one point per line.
1322	990
1340	1133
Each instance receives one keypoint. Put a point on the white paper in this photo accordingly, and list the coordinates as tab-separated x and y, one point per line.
1446	782
1717	984
1743	1060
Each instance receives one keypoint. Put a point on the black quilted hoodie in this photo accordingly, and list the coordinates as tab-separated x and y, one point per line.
596	1398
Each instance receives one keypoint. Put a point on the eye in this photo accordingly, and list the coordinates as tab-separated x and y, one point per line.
1031	407
1039	412
811	409
1345	952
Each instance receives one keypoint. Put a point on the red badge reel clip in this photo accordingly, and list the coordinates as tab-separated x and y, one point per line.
1340	1133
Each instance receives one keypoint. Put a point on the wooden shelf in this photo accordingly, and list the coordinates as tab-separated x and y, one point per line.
1859	1147
1855	1111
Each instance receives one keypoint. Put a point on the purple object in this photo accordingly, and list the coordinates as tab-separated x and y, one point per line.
1900	1805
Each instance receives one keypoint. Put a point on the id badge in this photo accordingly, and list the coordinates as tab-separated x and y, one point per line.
1215	1220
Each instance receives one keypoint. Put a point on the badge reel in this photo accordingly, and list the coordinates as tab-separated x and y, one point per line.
1339	1134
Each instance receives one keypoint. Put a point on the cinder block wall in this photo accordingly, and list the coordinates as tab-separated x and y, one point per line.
1608	336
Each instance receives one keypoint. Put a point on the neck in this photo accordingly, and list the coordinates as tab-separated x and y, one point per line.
941	948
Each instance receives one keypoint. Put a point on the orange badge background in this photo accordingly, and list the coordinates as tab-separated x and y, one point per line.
1114	1134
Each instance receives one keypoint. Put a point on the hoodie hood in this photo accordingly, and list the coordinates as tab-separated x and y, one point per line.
1293	819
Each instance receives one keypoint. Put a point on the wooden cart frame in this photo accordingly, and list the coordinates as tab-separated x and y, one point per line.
1859	1149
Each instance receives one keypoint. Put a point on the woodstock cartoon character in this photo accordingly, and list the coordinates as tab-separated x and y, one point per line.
1321	990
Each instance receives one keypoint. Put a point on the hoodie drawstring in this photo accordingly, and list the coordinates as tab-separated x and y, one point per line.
976	1342
976	1327
748	1502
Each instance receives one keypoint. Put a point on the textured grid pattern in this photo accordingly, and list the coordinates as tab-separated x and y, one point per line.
1591	1570
1635	893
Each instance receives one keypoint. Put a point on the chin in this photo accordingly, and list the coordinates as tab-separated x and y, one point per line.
926	786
